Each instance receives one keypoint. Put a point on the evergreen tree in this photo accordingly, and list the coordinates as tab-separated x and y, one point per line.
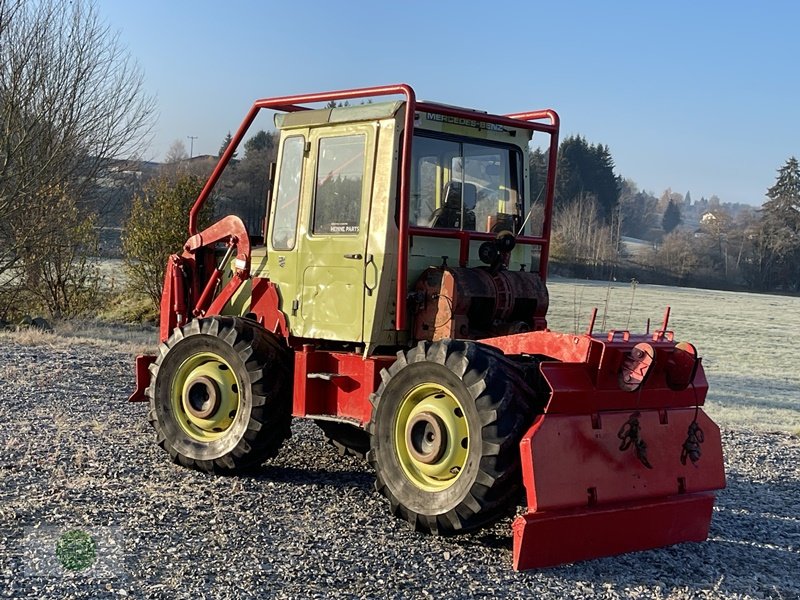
260	142
781	220
672	217
783	205
225	143
587	170
605	183
571	167
638	211
668	196
538	168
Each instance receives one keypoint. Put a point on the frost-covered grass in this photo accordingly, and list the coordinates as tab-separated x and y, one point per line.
748	342
123	338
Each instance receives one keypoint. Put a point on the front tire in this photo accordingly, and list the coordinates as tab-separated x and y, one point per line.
445	430
220	395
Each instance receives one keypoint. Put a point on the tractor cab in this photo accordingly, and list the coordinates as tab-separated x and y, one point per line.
332	240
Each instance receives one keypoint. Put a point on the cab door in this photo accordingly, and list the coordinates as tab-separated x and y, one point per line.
285	227
335	240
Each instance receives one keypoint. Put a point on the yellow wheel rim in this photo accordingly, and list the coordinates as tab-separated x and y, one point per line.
205	396
431	437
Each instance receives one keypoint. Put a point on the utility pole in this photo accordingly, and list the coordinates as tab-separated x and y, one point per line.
192	138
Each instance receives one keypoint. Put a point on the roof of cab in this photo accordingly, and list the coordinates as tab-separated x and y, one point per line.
341	114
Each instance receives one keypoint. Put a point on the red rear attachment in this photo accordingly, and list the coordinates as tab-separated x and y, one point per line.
623	458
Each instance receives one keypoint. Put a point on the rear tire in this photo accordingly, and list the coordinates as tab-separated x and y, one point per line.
445	430
220	395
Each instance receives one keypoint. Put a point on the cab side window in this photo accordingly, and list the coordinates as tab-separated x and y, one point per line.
287	199
339	185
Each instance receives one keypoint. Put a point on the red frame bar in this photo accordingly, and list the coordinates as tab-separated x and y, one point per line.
526	120
552	163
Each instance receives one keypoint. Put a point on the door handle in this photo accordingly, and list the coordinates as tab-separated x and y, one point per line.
370	261
354	256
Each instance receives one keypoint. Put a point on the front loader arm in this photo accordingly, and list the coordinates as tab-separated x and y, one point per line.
186	293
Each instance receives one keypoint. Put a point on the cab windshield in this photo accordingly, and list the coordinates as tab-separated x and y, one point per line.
465	184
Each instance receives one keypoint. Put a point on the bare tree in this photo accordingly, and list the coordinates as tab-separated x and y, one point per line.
581	236
176	153
71	101
677	255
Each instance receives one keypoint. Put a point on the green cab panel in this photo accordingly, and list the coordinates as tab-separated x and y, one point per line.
332	301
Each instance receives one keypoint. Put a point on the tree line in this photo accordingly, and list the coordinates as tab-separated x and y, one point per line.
674	240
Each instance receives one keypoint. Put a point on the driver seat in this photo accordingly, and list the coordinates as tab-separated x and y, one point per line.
448	215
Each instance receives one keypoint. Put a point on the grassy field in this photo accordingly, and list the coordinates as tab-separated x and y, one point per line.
746	341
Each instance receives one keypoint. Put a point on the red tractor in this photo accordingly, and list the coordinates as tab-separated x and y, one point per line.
395	293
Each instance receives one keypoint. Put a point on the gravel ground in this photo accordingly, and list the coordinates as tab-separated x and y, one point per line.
77	457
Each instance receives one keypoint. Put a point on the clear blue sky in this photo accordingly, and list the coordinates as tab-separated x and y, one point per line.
696	96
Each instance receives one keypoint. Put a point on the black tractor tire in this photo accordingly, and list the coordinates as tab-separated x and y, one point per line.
489	396
347	439
220	395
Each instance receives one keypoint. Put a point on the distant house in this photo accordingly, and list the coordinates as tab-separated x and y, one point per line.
202	158
708	218
708	223
124	173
